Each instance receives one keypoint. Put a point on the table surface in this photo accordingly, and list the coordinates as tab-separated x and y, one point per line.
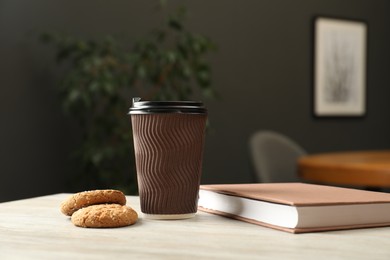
354	168
35	229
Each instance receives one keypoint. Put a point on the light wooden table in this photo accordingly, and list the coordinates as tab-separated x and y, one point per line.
355	168
35	229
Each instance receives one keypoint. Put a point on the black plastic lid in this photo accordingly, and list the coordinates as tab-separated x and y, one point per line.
159	107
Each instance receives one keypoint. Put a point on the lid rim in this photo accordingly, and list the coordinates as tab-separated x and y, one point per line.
159	107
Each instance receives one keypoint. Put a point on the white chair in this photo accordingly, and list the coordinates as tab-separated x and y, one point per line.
275	157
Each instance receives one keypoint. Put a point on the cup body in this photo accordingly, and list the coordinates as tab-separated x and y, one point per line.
168	146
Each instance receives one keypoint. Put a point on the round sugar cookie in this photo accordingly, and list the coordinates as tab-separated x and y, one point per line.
104	216
93	197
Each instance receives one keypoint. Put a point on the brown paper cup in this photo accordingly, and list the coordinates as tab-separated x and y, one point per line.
168	148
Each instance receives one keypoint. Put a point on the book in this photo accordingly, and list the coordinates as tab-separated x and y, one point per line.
297	207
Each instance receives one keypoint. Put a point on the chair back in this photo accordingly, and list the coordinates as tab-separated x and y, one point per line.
275	157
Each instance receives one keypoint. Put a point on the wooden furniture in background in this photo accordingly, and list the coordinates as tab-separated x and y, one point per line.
355	168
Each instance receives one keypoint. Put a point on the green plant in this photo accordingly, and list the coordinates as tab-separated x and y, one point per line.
101	78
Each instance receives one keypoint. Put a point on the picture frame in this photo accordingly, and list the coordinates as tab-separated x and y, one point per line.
340	57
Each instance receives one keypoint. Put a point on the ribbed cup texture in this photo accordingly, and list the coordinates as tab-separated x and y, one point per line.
168	152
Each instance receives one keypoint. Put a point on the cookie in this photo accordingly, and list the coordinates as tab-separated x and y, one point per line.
88	198
104	216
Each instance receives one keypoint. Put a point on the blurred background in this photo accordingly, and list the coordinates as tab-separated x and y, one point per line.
262	70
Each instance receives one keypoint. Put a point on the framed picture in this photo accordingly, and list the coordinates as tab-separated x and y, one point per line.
340	48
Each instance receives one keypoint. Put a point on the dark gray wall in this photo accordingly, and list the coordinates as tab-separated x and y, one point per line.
262	70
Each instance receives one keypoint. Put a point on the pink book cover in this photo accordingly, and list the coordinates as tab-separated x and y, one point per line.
299	194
